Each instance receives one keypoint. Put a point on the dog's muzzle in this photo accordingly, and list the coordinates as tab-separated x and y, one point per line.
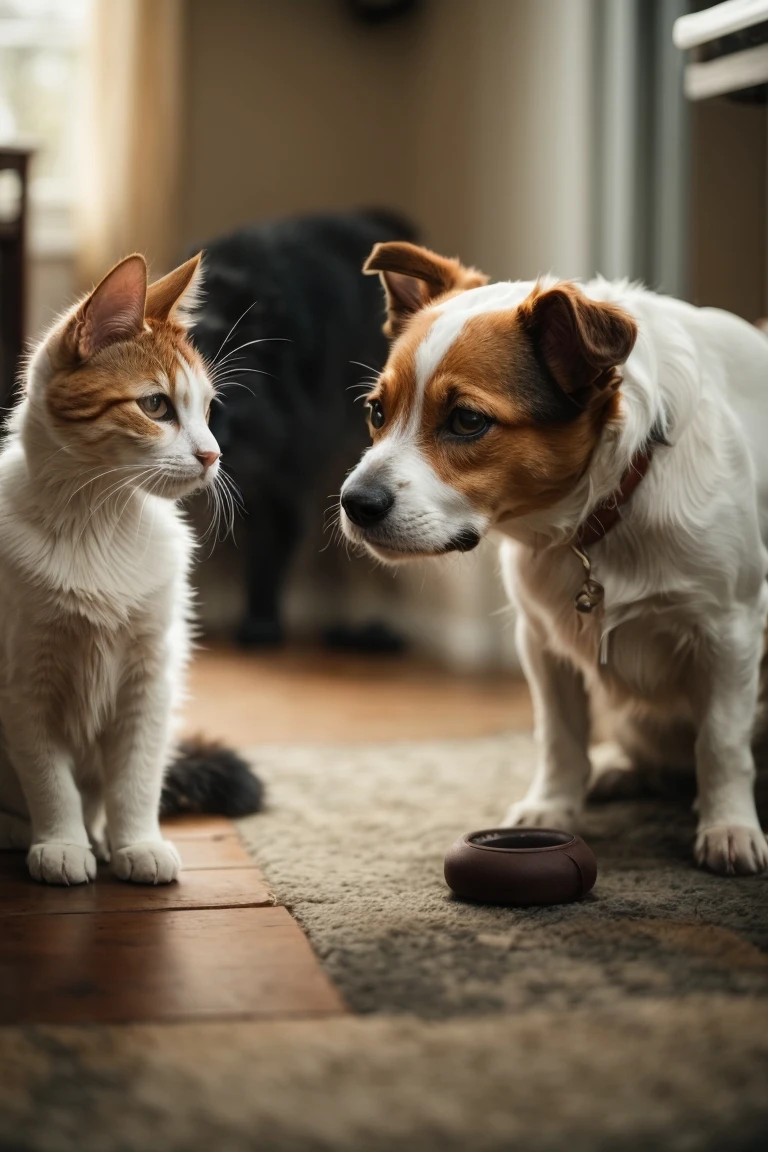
366	506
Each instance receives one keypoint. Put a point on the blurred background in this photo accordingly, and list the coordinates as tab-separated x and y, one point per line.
522	135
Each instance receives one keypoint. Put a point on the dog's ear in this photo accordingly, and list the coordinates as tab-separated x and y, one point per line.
413	276
581	341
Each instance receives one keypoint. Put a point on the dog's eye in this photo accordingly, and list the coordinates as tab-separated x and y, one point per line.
375	413
467	422
157	406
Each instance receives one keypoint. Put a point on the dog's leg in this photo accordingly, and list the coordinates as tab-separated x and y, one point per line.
729	839
556	796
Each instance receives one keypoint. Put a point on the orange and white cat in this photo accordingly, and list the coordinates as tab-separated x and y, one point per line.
111	430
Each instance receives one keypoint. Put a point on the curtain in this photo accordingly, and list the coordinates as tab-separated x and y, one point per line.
130	187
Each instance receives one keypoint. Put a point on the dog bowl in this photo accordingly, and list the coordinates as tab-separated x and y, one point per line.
520	866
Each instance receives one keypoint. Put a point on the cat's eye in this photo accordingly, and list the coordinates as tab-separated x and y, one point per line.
157	406
467	422
375	413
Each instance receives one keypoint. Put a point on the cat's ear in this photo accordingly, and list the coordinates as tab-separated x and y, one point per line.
176	295
413	276
114	311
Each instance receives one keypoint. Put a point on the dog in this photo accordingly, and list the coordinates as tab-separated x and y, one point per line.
615	440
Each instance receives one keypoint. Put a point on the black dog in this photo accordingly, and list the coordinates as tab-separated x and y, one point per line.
287	314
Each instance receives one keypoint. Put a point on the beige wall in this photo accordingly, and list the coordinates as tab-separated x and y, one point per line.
291	106
472	115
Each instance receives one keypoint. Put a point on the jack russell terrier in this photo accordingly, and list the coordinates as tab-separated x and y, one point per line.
618	441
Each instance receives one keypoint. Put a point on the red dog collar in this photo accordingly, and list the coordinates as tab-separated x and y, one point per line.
608	514
595	527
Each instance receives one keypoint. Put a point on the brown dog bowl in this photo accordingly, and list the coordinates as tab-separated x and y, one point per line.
520	866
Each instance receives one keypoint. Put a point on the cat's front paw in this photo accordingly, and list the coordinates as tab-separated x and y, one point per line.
54	862
150	862
732	851
563	815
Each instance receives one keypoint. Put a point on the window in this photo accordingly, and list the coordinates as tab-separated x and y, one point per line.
41	58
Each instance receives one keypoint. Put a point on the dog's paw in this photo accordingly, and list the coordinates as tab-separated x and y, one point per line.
54	862
560	815
730	850
150	862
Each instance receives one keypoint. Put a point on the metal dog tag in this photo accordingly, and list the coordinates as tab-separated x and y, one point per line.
591	593
589	596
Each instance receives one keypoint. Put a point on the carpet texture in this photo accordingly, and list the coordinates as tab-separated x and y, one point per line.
683	1077
353	842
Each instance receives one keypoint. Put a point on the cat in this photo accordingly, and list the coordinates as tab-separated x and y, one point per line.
95	614
291	327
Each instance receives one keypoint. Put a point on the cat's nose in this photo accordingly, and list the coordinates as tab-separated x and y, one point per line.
207	459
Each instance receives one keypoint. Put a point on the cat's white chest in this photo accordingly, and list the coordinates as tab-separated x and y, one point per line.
106	576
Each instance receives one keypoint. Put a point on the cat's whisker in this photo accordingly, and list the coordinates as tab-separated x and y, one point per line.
368	367
63	448
226	338
225	478
216	375
235	384
113	491
100	476
258	371
151	528
228	507
249	343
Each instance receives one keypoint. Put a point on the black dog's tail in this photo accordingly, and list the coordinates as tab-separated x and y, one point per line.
212	779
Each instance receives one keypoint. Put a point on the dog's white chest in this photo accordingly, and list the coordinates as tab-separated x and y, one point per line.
639	650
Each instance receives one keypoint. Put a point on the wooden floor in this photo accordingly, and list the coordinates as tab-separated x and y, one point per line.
213	946
305	695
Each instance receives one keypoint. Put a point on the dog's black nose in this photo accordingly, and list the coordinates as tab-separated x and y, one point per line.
366	506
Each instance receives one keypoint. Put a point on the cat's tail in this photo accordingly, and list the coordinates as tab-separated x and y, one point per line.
209	778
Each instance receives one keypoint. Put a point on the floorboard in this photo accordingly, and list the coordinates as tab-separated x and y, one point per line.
111	968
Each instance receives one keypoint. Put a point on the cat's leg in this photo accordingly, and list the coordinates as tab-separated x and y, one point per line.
60	852
272	530
94	811
135	752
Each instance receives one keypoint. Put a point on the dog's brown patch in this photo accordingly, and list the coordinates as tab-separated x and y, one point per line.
539	444
413	277
541	439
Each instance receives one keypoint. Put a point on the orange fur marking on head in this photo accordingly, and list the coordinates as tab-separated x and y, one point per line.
110	349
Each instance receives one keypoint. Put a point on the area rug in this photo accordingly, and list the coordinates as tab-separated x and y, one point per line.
353	843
